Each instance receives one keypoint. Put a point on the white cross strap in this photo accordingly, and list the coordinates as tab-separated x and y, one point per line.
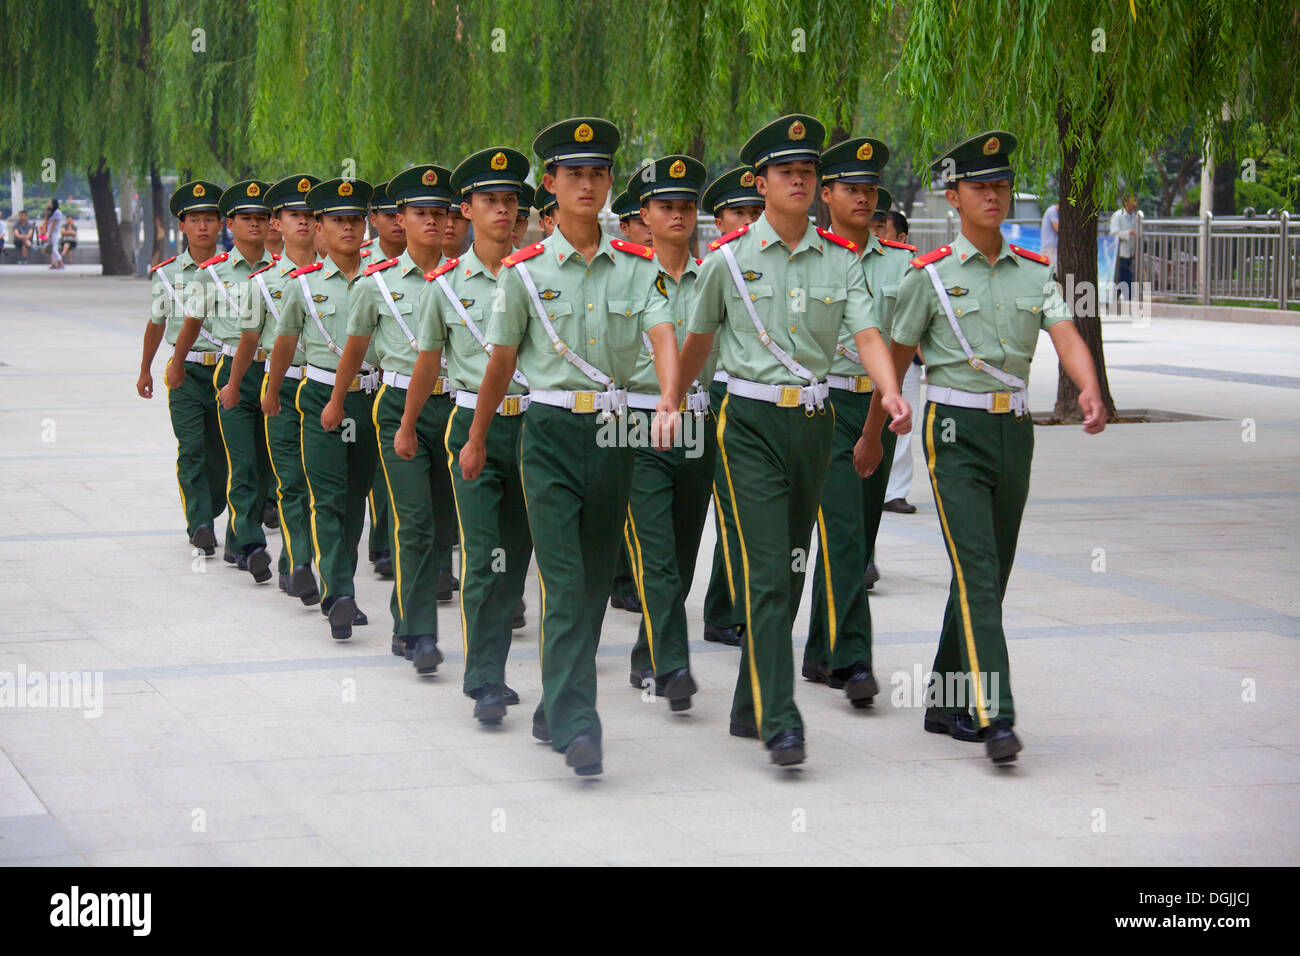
977	363
270	305
171	290
577	361
474	330
392	307
764	336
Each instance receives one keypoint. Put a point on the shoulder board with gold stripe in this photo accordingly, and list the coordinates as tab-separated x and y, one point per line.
445	267
934	255
219	257
519	255
848	244
622	245
897	245
258	272
164	262
1030	254
306	269
723	240
367	242
378	266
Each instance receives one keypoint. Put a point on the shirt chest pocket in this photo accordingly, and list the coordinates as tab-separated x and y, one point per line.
760	296
622	328
825	310
973	322
1029	317
463	340
560	315
406	310
328	315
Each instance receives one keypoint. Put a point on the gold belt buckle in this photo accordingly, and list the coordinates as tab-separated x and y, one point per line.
355	384
211	358
1001	402
261	355
862	383
789	396
510	405
584	401
438	386
683	406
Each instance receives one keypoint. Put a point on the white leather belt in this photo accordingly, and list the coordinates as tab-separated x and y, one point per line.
227	349
850	383
293	371
784	396
360	383
510	406
607	402
695	402
398	380
721	376
996	402
203	358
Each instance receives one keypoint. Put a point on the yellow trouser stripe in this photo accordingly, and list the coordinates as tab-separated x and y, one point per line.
392	504
980	707
638	577
831	620
726	548
279	485
755	688
460	526
311	495
541	582
230	471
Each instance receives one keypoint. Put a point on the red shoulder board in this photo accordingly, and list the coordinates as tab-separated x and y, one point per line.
378	266
219	257
622	245
367	242
1029	254
519	255
164	262
848	244
258	272
934	255
305	269
897	245
734	234
445	267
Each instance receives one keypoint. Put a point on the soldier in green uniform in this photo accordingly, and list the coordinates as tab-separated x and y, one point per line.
454	308
215	315
630	222
191	401
287	200
455	237
975	308
669	501
339	462
383	320
522	216
733	201
386	225
780	291
572	310
838	652
544	203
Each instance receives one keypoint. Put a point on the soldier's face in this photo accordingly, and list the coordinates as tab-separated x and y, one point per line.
248	226
733	217
342	233
493	214
296	225
635	229
983	205
670	220
517	233
200	228
423	226
453	235
850	204
388	226
579	190
787	187
547	222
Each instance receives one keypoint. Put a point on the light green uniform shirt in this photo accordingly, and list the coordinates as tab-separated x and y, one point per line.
599	310
883	267
804	298
181	273
261	319
475	286
225	313
373	316
331	298
1000	308
680	302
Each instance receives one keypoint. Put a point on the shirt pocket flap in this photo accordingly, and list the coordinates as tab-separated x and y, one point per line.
827	294
757	291
1030	303
625	307
964	304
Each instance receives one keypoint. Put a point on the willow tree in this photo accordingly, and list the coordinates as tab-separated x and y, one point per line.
1091	89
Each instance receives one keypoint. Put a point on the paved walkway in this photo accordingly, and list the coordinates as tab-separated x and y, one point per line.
1152	614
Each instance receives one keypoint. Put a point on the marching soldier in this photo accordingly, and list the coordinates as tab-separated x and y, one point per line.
669	501
975	308
572	310
386	225
780	291
838	652
455	306
544	203
191	401
522	216
383	319
630	222
733	201
339	463
224	282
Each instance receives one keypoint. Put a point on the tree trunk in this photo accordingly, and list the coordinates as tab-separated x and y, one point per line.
111	251
1224	202
158	202
1077	268
130	218
904	202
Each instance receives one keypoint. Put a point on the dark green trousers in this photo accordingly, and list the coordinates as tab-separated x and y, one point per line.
284	452
775	464
839	631
667	508
381	521
339	465
576	486
624	583
979	469
495	545
200	456
723	606
248	470
422	508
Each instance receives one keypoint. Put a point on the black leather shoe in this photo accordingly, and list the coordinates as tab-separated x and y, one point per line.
447	584
817	672
490	705
360	620
1000	742
899	506
583	754
541	729
872	575
283	581
384	564
859	684
519	620
956	726
204	539
742	729
786	748
511	696
342	612
229	556
258	562
302	585
677	686
729	635
425	654
399	647
638	678
628	602
270	514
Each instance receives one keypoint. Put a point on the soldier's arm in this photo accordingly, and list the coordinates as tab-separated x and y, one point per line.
153	336
431	334
710	308
238	366
286	341
506	329
250	333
